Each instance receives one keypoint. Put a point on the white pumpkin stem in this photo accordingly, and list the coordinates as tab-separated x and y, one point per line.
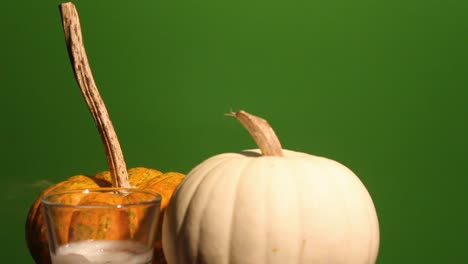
261	131
84	77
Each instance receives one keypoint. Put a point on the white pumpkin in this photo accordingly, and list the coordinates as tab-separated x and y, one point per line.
277	208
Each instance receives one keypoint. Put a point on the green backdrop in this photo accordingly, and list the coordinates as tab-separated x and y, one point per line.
381	86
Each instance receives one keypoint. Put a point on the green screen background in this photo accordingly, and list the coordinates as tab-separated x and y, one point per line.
380	86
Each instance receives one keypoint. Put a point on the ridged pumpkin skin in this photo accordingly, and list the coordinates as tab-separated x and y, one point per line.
238	208
142	178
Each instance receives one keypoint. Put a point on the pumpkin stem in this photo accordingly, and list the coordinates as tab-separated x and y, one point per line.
261	131
84	77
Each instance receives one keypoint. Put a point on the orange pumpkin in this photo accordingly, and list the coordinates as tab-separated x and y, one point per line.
117	176
143	178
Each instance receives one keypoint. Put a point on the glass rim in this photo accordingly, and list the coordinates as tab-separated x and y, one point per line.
157	198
